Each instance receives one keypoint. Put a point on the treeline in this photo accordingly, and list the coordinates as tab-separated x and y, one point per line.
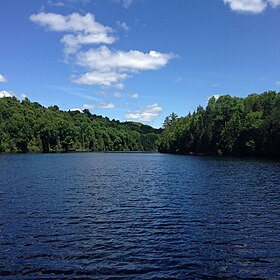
228	126
27	126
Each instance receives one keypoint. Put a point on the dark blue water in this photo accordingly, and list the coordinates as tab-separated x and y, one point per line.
138	216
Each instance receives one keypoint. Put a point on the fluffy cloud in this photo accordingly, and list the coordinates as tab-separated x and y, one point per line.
274	3
103	66
83	29
4	93
2	79
100	78
70	23
147	115
251	6
107	60
102	105
73	42
110	67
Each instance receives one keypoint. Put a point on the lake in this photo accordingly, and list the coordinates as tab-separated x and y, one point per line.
138	216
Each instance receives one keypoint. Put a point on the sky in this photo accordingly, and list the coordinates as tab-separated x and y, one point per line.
138	60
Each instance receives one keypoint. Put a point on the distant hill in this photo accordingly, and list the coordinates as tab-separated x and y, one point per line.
27	126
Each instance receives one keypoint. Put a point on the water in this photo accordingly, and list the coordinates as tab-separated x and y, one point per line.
138	216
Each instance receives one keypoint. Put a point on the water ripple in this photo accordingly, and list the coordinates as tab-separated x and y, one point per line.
138	216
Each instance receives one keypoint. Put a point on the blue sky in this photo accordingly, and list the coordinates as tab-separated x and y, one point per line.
138	60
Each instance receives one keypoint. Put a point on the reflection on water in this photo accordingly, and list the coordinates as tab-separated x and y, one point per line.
138	216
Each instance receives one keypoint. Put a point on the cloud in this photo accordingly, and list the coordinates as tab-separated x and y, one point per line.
134	95
123	26
102	93
178	80
76	109
274	3
73	42
100	78
277	83
102	105
56	4
2	79
133	60
216	96
147	115
23	96
127	3
110	67
83	29
120	86
106	106
251	6
119	95
103	66
4	93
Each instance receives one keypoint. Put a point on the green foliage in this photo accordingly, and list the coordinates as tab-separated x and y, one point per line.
227	126
29	127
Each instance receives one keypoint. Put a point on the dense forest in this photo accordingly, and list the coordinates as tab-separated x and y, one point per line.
228	126
29	127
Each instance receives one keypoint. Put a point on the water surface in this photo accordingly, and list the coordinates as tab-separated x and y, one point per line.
138	216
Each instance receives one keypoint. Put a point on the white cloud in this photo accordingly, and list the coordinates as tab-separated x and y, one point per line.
76	109
110	67
4	93
104	67
123	26
277	83
56	4
23	96
84	29
120	86
2	79
73	42
89	106
133	60
119	95
70	23
100	78
105	105
126	3
147	115
216	96
251	6
102	105
134	95
274	3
